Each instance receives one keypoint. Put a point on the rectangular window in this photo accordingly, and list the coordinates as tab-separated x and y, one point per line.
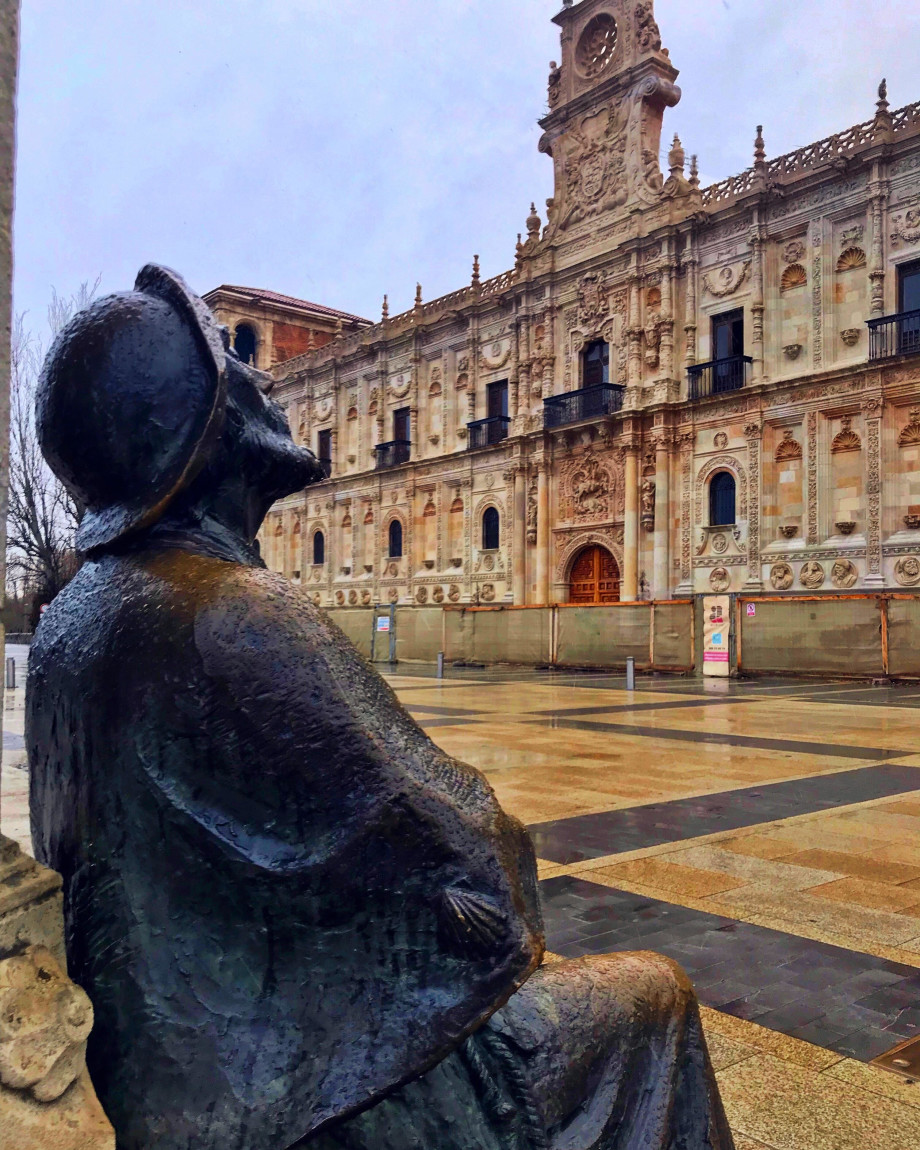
401	425
324	446
728	334
596	363
497	399
909	287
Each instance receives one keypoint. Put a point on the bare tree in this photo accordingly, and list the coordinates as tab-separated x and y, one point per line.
42	516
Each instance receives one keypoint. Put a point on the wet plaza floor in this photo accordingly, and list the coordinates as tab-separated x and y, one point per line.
763	833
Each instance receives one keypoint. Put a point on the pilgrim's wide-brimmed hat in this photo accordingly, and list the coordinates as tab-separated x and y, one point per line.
131	402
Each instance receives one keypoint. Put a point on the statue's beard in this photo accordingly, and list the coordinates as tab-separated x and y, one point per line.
269	458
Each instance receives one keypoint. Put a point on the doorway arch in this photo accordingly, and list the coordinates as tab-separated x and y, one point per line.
594	576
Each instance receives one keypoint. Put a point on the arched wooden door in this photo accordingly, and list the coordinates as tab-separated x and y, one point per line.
595	577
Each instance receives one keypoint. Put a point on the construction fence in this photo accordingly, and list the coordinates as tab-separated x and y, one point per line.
835	635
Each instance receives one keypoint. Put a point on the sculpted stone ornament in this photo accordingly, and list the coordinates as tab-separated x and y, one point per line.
811	575
299	921
781	576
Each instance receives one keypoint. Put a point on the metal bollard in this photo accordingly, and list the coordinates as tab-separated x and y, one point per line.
11	674
440	664
630	674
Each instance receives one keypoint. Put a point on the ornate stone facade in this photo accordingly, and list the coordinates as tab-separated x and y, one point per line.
632	272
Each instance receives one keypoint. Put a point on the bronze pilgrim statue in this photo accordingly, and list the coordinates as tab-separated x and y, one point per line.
300	922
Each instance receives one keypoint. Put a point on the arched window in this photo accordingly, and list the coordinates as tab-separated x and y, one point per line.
490	529
395	539
721	499
596	360
319	548
244	343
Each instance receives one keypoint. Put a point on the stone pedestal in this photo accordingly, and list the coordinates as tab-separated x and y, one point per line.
47	1101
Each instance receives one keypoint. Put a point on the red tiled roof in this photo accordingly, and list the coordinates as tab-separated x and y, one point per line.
260	295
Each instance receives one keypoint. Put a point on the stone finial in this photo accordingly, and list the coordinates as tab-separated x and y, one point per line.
418	295
385	314
883	124
760	154
676	157
518	254
533	223
694	172
339	329
475	280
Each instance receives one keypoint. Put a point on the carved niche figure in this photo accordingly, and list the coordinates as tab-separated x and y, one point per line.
811	575
210	762
532	514
652	338
648	504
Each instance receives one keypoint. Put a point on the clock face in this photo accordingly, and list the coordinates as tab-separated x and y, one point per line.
597	45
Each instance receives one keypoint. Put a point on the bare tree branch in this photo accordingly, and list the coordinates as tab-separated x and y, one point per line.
42	516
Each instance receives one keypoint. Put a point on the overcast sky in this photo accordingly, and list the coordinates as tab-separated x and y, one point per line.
339	149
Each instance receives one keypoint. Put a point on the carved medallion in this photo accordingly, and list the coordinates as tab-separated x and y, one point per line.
719	543
720	440
811	575
453	593
843	574
438	594
781	576
793	251
488	592
394	595
340	598
421	595
907	570
906	227
352	597
728	279
719	579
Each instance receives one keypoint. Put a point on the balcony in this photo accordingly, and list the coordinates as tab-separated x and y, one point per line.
719	376
393	453
586	403
894	335
485	432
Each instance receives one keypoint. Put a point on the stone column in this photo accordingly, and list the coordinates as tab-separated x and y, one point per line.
753	433
691	264
519	514
685	442
630	590
661	577
757	305
872	413
543	535
878	202
666	331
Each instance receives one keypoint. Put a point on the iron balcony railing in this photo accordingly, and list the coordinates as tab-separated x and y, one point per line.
393	453
894	335
719	375
586	403
484	432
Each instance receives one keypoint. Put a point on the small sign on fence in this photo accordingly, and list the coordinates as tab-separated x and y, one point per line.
383	623
751	610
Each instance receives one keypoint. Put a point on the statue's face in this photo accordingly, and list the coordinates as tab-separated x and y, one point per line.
259	432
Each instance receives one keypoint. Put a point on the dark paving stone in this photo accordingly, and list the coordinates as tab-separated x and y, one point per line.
854	1004
662	705
724	739
427	709
634	828
427	724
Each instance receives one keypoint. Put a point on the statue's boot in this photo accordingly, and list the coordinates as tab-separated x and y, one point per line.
599	1053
